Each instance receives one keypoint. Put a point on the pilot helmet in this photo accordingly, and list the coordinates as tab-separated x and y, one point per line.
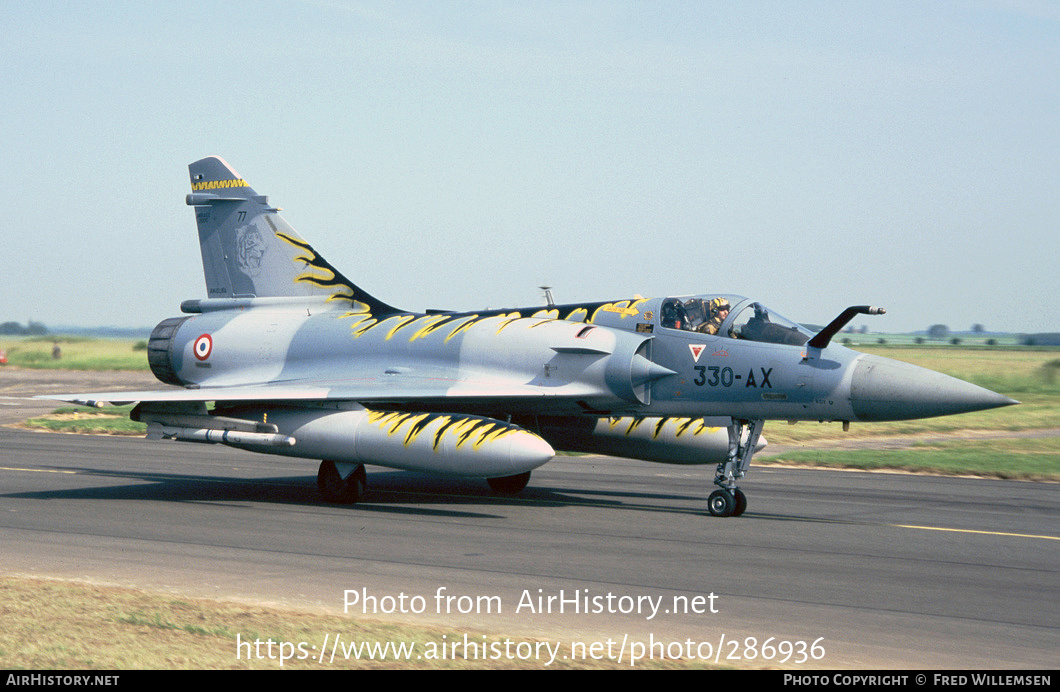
719	304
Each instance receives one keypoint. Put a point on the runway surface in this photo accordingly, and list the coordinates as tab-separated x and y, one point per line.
880	570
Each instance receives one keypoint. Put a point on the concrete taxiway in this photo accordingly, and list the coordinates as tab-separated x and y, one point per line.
881	570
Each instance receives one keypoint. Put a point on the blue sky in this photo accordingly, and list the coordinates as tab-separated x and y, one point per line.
459	154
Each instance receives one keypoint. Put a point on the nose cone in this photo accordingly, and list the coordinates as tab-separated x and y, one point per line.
883	389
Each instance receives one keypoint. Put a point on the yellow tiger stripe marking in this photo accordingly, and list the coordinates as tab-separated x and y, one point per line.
414	431
682	427
361	326
577	315
218	184
507	320
467	324
433	323
401	320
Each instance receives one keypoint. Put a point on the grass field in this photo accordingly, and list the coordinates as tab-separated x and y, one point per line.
76	353
968	444
1010	371
109	420
65	625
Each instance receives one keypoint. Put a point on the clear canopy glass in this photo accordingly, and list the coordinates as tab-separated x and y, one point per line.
730	316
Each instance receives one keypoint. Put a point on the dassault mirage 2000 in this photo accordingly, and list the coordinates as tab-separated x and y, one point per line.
297	360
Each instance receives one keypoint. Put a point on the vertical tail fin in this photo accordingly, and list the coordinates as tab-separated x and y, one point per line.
248	250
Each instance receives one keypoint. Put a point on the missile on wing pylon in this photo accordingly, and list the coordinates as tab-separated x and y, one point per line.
215	435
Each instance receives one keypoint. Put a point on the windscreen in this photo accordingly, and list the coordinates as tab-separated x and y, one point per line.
756	323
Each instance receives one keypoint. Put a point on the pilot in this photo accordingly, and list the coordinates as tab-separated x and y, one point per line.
719	310
674	316
698	311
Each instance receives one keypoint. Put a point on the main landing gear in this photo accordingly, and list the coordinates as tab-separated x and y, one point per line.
345	484
342	483
509	485
728	500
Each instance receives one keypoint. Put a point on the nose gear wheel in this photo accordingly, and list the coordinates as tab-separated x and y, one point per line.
729	500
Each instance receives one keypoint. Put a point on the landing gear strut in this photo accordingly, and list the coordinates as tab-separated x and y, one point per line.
341	483
728	500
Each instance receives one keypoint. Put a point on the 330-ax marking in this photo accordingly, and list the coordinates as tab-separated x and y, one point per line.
725	377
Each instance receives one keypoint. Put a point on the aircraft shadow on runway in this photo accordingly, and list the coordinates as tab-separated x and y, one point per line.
388	491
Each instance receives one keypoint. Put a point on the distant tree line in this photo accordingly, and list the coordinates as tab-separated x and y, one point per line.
941	331
16	329
938	331
1052	339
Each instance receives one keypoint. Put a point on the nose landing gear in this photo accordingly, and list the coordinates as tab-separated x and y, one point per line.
728	500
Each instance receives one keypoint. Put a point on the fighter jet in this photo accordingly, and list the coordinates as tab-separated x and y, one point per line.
287	356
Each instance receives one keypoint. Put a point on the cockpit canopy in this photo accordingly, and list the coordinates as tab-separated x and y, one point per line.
730	316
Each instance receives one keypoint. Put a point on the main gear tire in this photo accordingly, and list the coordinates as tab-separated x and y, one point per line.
741	503
509	485
338	490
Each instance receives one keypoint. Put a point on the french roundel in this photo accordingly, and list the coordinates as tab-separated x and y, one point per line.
203	346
